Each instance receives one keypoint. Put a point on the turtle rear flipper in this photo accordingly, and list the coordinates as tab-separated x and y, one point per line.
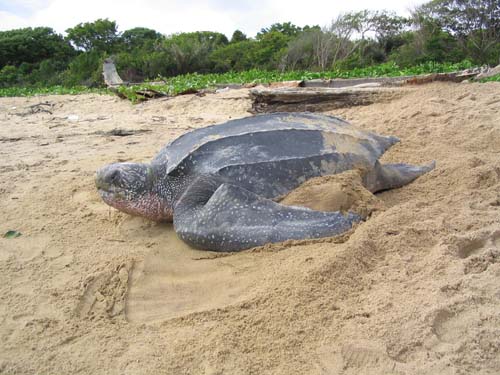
231	218
390	176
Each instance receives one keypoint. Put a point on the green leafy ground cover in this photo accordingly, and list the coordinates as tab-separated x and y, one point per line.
51	90
195	81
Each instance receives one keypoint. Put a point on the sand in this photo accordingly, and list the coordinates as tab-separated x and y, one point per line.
415	289
342	192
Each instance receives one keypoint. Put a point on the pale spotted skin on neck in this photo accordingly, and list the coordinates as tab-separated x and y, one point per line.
217	184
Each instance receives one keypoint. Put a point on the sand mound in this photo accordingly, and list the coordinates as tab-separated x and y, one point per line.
342	192
411	290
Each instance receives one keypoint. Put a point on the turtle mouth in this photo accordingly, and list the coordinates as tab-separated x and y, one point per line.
106	193
109	192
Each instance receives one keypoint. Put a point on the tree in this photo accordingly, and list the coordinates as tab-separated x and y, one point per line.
191	51
427	42
270	49
85	69
333	43
380	33
388	28
300	51
139	38
32	45
476	24
238	36
238	56
100	36
286	28
9	76
135	66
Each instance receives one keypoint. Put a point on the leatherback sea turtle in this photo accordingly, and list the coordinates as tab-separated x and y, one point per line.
219	183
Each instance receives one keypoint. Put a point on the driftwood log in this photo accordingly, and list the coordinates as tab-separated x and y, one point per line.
114	81
441	77
350	82
391	81
266	100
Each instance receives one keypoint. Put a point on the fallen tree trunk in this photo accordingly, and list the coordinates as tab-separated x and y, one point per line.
441	77
267	100
350	82
392	81
114	82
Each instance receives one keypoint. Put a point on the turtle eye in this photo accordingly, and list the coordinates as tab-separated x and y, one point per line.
114	176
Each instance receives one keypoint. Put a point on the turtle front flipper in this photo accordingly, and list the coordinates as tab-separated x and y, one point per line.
226	217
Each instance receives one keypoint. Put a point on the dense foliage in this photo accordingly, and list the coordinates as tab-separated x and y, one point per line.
441	31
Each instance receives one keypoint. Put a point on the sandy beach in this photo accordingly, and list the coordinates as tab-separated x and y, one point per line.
414	289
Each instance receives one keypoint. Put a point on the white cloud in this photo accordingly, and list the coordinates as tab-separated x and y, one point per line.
189	15
10	21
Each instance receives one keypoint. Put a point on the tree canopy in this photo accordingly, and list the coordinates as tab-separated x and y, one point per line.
100	35
139	38
32	45
475	24
439	31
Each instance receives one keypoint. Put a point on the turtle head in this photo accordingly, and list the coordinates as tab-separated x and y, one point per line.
133	188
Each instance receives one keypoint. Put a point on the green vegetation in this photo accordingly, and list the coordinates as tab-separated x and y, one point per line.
441	35
194	81
495	78
51	90
12	234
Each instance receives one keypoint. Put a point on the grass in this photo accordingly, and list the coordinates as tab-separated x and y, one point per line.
495	78
51	90
194	81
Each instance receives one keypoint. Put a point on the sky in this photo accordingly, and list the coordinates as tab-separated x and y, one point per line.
172	16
